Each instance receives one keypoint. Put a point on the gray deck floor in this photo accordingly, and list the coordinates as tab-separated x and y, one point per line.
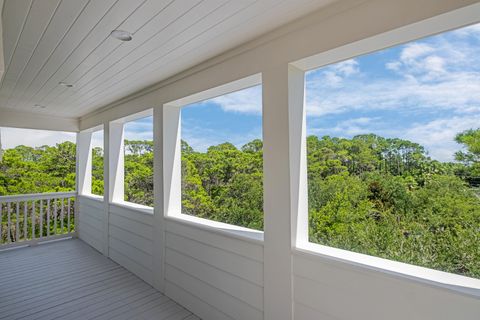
70	280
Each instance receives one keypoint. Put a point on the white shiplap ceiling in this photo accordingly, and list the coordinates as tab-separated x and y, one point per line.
52	41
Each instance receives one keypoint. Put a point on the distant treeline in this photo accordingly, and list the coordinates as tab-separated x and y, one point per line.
379	196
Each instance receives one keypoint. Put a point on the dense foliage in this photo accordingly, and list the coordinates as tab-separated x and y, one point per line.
35	170
224	183
386	198
369	194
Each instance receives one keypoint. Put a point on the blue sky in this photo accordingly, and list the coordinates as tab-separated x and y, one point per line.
424	91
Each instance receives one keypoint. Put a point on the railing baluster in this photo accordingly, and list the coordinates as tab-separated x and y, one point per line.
23	226
68	216
17	222
25	220
33	219
55	216
61	215
9	222
41	218
48	217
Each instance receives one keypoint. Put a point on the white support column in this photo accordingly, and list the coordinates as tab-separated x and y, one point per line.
280	94
116	162
84	162
172	156
166	186
106	188
298	155
158	221
112	173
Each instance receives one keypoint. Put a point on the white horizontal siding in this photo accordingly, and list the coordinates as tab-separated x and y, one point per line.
90	213
231	284
132	213
193	303
221	272
130	240
224	303
247	248
138	242
131	225
322	289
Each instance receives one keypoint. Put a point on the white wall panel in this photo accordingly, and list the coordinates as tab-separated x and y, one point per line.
335	290
90	213
130	240
222	272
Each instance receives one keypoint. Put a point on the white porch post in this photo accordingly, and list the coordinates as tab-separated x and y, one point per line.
282	93
116	162
167	175
298	155
172	204
113	159
84	162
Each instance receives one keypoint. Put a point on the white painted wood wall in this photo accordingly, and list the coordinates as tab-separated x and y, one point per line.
214	275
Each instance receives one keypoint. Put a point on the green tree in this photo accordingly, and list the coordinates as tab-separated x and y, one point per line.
470	139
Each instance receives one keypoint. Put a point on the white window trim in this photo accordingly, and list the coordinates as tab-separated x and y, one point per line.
230	230
301	245
117	161
84	160
171	125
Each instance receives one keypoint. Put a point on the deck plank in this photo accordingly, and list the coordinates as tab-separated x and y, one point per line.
70	280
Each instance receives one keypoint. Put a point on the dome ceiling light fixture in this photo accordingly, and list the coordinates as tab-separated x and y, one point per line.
38	106
121	35
65	84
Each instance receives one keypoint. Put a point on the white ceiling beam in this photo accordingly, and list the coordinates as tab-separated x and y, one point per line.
26	120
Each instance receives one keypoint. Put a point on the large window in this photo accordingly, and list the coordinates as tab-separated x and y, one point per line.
222	159
36	161
97	162
393	153
138	161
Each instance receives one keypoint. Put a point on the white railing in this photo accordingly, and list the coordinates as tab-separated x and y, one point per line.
31	218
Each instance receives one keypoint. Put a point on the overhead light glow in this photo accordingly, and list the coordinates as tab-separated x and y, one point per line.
68	85
121	35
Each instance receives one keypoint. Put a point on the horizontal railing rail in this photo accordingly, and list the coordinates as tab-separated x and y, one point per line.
31	218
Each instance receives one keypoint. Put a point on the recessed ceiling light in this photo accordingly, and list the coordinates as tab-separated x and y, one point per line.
68	85
38	106
121	35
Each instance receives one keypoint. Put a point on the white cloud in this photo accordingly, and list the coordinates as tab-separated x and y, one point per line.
247	101
348	128
473	30
393	65
201	138
12	137
443	74
347	68
438	135
97	139
415	50
334	75
434	64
